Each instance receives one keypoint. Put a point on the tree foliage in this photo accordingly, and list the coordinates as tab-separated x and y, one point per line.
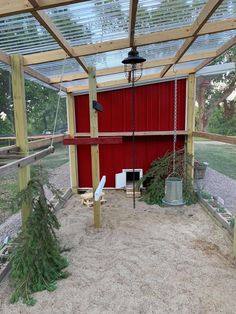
36	262
154	178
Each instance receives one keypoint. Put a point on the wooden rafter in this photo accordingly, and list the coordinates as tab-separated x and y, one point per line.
84	50
132	21
13	7
219	52
120	69
144	78
204	15
47	23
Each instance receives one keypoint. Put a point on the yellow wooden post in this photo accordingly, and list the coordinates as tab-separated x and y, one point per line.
94	148
18	90
191	123
72	148
234	246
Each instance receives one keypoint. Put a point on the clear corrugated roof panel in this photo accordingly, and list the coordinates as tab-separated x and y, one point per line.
211	41
186	65
5	67
159	15
56	68
92	21
156	70
150	52
112	77
226	10
158	51
23	34
75	83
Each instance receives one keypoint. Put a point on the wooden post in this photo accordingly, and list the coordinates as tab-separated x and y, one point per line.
234	240
94	148
190	123
18	90
72	148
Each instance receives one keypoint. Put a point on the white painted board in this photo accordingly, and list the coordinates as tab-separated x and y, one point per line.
120	180
98	191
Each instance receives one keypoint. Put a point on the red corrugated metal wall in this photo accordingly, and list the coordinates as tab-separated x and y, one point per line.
154	111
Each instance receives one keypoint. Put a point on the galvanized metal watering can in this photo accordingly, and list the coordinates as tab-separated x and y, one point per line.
173	191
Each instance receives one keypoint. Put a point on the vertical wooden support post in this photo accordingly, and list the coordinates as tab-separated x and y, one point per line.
18	90
94	148
72	148
190	123
234	240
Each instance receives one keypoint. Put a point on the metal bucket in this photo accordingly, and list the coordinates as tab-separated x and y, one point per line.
173	191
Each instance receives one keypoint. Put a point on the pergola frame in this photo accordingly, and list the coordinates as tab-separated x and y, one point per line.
189	34
199	27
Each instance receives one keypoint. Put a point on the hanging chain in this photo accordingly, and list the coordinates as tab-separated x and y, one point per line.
175	123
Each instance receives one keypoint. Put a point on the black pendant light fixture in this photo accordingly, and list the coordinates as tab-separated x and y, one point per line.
133	68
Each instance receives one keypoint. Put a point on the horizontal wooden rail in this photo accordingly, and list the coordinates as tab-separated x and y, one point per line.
33	144
92	140
216	137
138	133
32	137
8	150
25	161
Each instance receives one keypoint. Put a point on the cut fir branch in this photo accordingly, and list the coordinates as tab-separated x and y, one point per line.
36	262
154	179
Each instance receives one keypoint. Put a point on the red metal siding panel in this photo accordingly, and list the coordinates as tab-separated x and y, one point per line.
154	111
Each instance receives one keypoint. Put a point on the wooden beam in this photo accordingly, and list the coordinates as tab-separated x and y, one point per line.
190	123
5	58
47	23
234	240
45	142
9	149
132	21
92	140
219	52
18	90
74	179
216	137
138	133
120	69
141	40
25	161
94	148
206	12
151	77
13	7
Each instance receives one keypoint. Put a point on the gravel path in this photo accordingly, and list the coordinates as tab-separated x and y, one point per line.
60	178
217	184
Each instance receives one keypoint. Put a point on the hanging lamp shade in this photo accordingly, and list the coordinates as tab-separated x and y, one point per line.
133	57
133	65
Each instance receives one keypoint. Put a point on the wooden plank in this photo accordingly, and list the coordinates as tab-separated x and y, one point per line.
140	40
47	23
132	20
74	179
92	141
234	243
216	137
45	142
138	133
25	161
5	58
18	90
94	148
9	149
13	7
190	123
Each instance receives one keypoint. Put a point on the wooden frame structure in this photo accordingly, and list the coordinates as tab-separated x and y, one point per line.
180	63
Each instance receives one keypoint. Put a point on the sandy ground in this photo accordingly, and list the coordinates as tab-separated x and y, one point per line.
147	260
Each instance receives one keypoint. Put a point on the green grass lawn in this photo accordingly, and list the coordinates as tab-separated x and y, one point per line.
221	157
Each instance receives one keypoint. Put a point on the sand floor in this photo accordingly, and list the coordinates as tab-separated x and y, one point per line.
148	260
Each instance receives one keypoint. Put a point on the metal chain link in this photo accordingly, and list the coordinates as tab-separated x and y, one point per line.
175	123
